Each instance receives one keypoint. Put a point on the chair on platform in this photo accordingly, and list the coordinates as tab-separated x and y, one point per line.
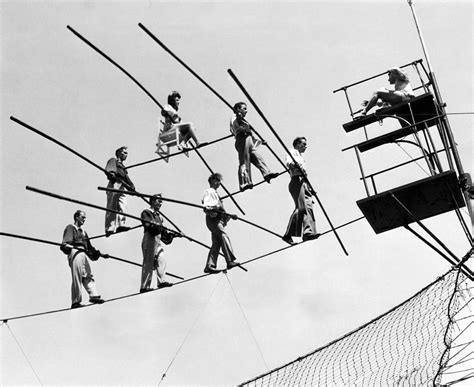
168	139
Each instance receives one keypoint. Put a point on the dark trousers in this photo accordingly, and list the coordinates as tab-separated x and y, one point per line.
219	240
248	155
302	219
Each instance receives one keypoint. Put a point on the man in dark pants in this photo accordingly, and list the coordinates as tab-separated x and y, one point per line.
245	144
118	179
153	253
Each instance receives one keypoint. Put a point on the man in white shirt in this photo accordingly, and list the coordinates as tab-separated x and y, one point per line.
215	222
302	220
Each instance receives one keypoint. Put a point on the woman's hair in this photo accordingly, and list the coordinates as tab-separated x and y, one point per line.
172	96
400	74
297	140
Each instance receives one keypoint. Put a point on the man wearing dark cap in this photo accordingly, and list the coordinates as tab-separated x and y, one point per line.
153	253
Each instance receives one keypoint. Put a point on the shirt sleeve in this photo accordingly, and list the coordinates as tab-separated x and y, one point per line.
111	165
68	235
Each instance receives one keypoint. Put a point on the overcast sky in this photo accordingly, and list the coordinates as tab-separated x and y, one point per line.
290	56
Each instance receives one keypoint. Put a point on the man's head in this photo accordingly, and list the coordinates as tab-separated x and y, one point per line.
79	218
215	180
240	109
122	153
300	144
156	202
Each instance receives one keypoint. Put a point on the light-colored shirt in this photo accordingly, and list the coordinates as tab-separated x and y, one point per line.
294	170
405	87
171	117
211	199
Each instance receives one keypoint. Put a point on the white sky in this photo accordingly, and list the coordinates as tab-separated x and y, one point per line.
290	56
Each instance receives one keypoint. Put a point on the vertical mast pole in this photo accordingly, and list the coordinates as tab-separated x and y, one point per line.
441	104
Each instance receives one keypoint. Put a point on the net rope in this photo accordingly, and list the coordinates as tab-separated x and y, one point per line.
408	345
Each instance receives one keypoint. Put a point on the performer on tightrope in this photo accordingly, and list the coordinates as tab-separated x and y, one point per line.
302	220
173	121
153	253
119	180
402	92
78	248
246	146
216	222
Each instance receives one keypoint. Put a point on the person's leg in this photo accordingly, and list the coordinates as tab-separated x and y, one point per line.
76	275
110	217
296	219
211	262
225	243
148	251
187	132
257	160
121	205
242	147
160	267
306	201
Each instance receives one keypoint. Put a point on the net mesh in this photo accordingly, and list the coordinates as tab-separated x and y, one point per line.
408	345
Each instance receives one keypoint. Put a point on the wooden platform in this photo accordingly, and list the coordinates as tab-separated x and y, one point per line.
385	139
424	198
423	108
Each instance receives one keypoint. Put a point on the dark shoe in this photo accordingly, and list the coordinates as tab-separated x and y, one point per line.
76	305
145	290
232	264
108	233
210	270
270	176
165	285
122	229
288	240
309	237
246	187
96	300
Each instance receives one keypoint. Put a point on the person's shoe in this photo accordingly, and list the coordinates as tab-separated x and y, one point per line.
76	305
96	300
122	229
165	285
210	270
145	290
232	264
309	237
288	239
246	187
108	233
270	176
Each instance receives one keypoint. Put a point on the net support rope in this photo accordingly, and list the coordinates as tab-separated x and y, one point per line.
24	353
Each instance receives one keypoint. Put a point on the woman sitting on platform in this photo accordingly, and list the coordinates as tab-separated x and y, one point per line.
384	97
173	121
